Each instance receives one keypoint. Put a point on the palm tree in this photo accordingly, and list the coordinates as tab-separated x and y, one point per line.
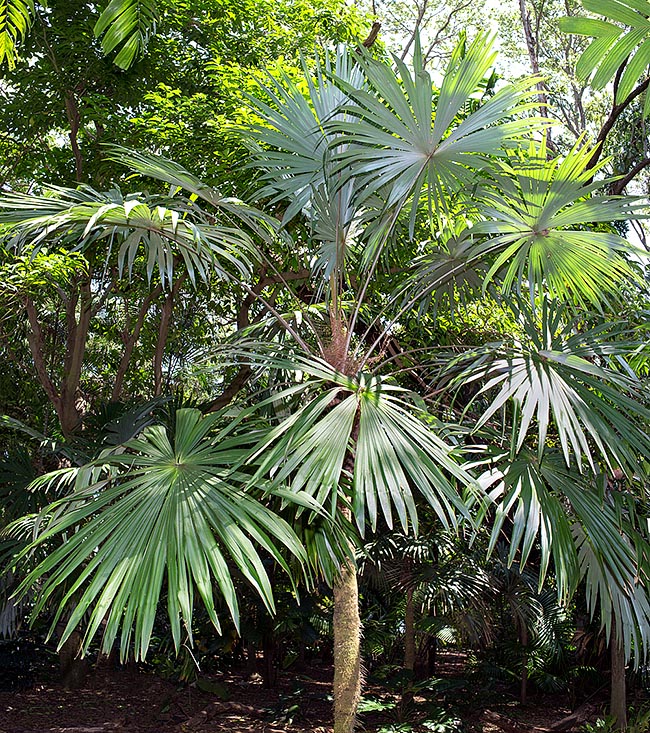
370	157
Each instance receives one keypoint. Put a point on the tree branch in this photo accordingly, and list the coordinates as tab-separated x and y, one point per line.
130	341
617	110
37	348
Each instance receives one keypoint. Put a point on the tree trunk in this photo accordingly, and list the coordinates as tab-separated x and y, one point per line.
74	669
347	651
409	632
523	690
409	647
618	704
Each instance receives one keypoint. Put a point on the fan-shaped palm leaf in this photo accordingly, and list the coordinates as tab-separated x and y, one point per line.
292	144
234	210
574	380
581	532
81	216
369	419
408	137
536	217
161	510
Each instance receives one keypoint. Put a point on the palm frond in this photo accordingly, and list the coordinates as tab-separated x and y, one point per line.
15	21
410	138
292	145
577	382
168	171
621	40
359	442
535	218
126	24
163	509
78	217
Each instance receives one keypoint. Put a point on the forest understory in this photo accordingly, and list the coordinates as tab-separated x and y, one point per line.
138	700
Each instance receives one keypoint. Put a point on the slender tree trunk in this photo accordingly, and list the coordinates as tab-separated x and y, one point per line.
163	333
409	632
618	703
532	45
523	690
409	646
73	668
130	339
347	651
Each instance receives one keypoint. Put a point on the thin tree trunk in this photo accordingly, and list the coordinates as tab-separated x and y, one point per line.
523	691
72	667
130	339
532	45
409	632
347	651
618	703
163	333
409	645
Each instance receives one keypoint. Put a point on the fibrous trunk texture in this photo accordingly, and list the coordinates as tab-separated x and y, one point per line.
347	651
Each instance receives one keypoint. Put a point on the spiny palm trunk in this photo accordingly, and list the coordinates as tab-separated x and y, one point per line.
347	621
347	651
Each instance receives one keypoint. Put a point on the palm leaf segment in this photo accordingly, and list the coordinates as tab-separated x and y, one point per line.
78	217
368	418
293	147
623	39
15	19
409	137
156	511
126	24
535	216
568	518
578	382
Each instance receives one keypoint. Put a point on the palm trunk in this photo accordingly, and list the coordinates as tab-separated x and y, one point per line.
523	690
409	643
618	704
347	651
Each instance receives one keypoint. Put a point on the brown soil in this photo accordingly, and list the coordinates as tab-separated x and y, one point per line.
128	700
138	702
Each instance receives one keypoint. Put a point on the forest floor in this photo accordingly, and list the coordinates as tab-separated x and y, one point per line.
129	700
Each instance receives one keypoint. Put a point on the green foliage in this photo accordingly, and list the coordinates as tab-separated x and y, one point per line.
176	508
126	23
15	19
621	42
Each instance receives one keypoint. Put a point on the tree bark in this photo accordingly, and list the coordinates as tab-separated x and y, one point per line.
409	642
163	333
130	340
347	651
618	703
74	120
73	668
523	690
